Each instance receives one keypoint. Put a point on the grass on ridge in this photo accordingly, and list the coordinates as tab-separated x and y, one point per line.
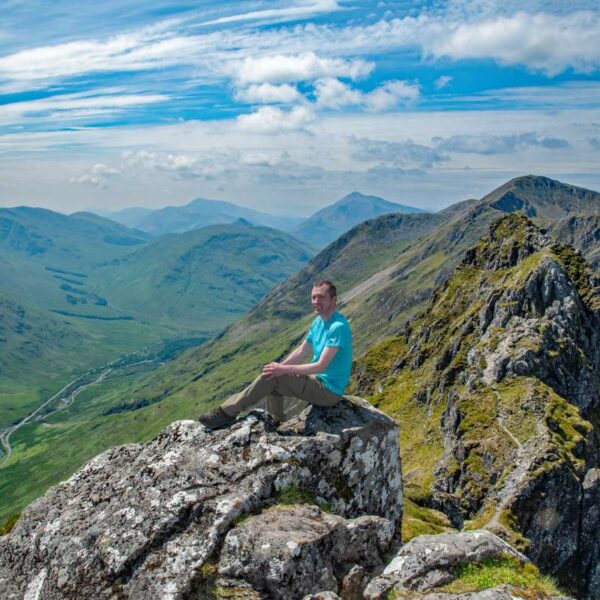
475	577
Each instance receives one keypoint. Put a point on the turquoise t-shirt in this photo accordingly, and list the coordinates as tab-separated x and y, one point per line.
334	332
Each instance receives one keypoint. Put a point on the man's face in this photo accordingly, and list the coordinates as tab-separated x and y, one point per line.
322	302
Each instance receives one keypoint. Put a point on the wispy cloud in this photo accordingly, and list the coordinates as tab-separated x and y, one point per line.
497	144
403	153
148	48
75	106
441	82
99	175
302	9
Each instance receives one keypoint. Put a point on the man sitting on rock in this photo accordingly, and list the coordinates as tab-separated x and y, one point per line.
321	381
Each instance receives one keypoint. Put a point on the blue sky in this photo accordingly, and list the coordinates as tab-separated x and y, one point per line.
287	106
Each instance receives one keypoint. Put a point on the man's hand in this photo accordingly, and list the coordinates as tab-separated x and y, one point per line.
274	369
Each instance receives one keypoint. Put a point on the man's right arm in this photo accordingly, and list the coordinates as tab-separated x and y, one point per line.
299	355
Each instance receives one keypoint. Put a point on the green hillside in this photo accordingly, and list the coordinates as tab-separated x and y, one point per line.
387	269
202	279
50	258
90	290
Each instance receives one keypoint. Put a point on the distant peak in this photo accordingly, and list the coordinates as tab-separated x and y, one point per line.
353	195
243	222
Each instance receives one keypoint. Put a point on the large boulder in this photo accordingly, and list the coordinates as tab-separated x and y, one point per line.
431	561
287	552
148	520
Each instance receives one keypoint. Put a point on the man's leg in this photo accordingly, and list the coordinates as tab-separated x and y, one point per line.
305	387
311	390
276	407
260	388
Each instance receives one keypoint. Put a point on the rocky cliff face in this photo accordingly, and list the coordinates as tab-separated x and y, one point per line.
192	511
498	386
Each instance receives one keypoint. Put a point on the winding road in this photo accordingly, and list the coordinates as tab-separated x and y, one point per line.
6	433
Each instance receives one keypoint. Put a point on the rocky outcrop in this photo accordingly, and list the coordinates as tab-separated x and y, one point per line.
430	561
287	552
501	375
162	519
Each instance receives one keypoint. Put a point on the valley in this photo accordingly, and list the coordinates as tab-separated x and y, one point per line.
387	270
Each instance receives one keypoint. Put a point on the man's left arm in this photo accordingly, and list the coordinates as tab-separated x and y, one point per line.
276	369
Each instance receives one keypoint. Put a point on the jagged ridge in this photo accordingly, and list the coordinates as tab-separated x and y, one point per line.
497	392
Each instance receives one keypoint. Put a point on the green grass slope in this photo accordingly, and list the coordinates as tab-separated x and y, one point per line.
49	258
498	404
204	278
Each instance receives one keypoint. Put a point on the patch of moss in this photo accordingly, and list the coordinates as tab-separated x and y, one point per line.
511	527
418	520
379	361
482	519
9	524
292	495
475	577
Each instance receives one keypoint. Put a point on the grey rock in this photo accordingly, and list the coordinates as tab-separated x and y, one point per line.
322	596
429	561
288	552
590	526
141	520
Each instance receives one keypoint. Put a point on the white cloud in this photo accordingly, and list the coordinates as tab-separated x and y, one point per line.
441	82
391	94
308	66
267	93
98	175
261	159
181	166
332	93
271	120
544	42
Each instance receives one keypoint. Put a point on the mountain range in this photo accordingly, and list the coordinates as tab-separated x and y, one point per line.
392	270
318	230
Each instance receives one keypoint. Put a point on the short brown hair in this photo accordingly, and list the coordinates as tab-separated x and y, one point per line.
330	287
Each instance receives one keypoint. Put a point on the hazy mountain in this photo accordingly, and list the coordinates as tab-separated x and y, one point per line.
76	238
332	221
386	268
128	216
198	213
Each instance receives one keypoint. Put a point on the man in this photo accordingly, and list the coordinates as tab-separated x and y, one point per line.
321	381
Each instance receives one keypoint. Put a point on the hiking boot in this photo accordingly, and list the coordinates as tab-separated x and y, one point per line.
216	419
